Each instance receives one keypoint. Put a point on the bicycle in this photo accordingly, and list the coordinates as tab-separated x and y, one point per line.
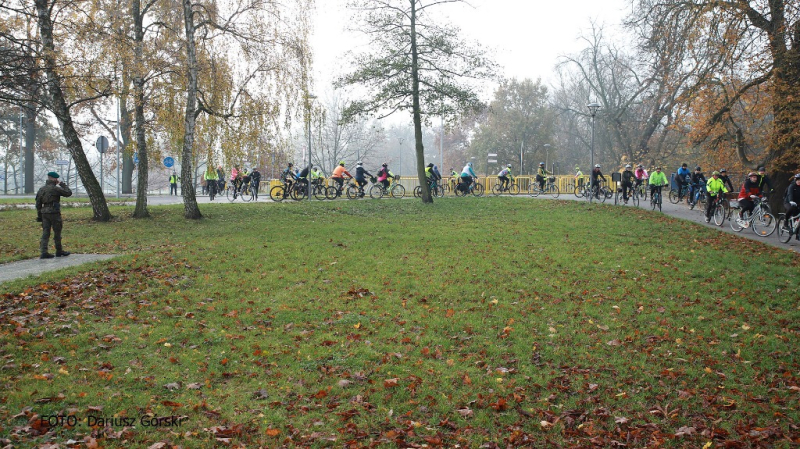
600	192
700	196
355	191
395	189
297	191
675	196
641	189
475	188
247	192
787	229
761	220
550	188
633	197
436	190
655	198
580	191
333	192
511	188
720	208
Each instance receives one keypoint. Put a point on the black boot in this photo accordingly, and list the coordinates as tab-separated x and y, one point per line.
46	256
62	253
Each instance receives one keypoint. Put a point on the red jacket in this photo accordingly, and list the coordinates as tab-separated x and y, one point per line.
749	188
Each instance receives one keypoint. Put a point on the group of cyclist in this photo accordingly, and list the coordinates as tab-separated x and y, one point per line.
339	175
755	187
215	180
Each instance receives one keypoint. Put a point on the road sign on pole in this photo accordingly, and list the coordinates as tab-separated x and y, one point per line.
101	144
169	162
62	162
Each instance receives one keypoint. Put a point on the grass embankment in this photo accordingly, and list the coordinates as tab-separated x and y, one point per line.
391	323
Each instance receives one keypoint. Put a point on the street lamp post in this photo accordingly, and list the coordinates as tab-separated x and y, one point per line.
546	153
593	107
309	97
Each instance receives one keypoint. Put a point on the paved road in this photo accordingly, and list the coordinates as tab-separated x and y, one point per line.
35	267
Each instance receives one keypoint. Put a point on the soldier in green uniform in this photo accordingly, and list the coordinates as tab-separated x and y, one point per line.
48	208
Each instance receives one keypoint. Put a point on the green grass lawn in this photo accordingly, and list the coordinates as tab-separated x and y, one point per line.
475	322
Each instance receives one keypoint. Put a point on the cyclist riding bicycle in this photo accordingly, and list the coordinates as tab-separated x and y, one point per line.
641	175
723	175
288	177
792	198
715	187
595	178
255	176
504	176
541	174
764	182
657	180
316	176
360	177
467	175
682	178
384	174
338	175
211	182
303	177
750	191
578	176
627	182
432	175
698	182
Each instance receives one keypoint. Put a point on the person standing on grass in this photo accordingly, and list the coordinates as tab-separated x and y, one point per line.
750	191
173	184
715	187
48	211
255	178
211	179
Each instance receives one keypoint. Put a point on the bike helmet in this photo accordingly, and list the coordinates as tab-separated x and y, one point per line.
684	164
508	166
469	164
359	163
384	164
640	166
628	166
577	168
797	176
291	165
341	163
723	171
716	173
596	165
762	169
658	168
697	168
751	174
430	165
541	163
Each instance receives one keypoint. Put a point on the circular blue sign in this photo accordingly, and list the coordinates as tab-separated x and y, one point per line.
169	162
135	158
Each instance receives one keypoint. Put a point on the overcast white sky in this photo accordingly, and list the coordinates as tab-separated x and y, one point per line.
527	36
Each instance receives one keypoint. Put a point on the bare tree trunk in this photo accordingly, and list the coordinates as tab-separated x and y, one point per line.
30	140
59	107
190	209
125	125
138	101
426	190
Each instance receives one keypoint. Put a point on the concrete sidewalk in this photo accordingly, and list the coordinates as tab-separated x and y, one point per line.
35	267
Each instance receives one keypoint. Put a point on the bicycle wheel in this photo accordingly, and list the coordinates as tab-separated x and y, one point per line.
478	190
784	231
609	194
231	193
673	197
352	192
764	224
533	190
246	193
319	192
719	214
459	192
497	189
618	197
635	199
277	193
330	192
734	222
605	194
513	189
579	192
439	191
376	191
553	190
398	191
